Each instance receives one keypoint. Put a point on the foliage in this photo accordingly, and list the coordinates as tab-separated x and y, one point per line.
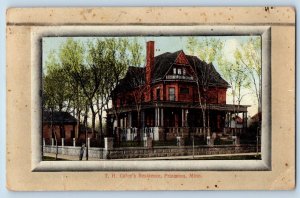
80	77
207	49
137	57
236	76
243	73
250	57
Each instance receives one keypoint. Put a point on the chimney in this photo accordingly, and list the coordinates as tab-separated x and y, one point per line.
149	61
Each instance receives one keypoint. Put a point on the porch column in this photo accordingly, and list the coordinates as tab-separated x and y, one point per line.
129	119
155	117
158	116
162	117
184	117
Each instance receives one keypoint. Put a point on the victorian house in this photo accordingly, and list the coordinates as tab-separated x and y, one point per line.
173	95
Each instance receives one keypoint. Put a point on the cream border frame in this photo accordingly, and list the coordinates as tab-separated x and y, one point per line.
146	165
20	164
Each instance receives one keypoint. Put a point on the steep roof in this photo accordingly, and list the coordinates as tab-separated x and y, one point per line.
162	63
133	77
58	117
203	68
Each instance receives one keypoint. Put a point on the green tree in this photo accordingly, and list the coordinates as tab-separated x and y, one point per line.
72	57
207	49
250	56
57	93
117	59
136	55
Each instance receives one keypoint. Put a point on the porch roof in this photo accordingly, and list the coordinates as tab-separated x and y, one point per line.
171	104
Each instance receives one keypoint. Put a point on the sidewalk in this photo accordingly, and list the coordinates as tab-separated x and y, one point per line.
190	157
71	157
187	157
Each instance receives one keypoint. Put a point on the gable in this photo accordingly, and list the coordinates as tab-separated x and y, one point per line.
181	59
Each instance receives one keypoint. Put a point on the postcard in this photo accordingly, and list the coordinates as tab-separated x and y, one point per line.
134	99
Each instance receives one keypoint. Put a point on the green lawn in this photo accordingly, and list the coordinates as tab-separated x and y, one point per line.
233	157
47	158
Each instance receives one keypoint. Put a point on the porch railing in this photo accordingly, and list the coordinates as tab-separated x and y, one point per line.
232	131
193	130
131	134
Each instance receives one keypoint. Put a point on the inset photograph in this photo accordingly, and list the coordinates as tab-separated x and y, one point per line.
151	98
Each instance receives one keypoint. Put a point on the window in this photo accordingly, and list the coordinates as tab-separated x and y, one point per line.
179	71
174	70
172	94
184	90
183	71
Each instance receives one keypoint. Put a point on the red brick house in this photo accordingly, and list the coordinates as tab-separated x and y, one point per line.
63	124
162	99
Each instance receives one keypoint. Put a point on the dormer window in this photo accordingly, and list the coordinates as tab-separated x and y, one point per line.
179	71
174	70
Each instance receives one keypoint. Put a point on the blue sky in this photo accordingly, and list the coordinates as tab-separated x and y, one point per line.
162	43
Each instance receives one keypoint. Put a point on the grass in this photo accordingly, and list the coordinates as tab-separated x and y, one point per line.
47	158
233	157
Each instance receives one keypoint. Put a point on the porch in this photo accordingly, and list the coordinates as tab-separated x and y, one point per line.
160	133
166	121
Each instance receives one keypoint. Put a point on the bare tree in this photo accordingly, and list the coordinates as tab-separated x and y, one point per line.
250	57
138	89
207	50
237	78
